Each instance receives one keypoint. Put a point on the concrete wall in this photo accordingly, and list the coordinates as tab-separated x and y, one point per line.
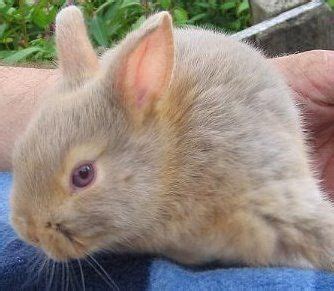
307	26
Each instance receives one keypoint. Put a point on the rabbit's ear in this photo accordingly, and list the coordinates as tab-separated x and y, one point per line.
142	65
76	55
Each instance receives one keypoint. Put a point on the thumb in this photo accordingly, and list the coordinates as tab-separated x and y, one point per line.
310	74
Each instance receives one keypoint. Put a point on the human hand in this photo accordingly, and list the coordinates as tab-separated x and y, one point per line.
20	97
311	76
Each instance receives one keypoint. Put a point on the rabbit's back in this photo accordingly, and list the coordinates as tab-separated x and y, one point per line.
235	110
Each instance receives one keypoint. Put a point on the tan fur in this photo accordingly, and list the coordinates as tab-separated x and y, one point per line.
215	169
77	59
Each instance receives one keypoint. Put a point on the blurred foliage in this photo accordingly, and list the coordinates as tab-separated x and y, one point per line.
330	3
26	27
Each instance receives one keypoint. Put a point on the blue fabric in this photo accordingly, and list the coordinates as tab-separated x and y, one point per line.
19	270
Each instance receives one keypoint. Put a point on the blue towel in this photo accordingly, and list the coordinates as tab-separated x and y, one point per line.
19	268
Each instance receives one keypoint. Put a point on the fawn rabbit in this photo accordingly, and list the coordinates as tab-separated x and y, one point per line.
179	142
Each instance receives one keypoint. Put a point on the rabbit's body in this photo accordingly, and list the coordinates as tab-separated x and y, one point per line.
198	151
237	172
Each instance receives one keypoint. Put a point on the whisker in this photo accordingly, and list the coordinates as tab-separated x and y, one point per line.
73	278
56	275
67	276
41	268
33	263
62	276
106	278
104	271
49	286
47	272
82	276
31	268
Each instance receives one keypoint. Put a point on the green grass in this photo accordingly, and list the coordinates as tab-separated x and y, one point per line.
26	27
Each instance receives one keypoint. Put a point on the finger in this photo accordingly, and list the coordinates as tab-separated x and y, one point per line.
310	74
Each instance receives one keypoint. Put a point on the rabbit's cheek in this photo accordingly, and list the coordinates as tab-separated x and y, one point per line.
26	231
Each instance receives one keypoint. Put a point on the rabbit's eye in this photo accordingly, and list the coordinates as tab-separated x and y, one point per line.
83	175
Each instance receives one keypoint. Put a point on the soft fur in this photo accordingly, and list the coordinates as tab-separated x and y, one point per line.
197	145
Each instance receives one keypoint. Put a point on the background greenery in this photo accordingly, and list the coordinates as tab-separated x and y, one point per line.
26	26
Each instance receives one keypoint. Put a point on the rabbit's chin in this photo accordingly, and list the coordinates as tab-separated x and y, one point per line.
61	248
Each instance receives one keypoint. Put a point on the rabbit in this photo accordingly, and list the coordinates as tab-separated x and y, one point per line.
177	142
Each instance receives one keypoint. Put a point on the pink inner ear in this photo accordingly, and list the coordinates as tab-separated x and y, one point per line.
147	67
135	62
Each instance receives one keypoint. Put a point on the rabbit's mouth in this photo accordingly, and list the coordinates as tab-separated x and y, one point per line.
61	245
57	242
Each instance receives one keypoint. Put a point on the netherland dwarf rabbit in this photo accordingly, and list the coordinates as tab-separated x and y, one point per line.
179	142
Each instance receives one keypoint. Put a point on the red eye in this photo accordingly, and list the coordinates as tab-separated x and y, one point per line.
83	175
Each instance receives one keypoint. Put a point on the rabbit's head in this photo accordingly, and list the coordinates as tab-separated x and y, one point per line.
87	172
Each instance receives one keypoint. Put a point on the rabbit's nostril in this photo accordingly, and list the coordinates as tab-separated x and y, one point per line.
54	226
